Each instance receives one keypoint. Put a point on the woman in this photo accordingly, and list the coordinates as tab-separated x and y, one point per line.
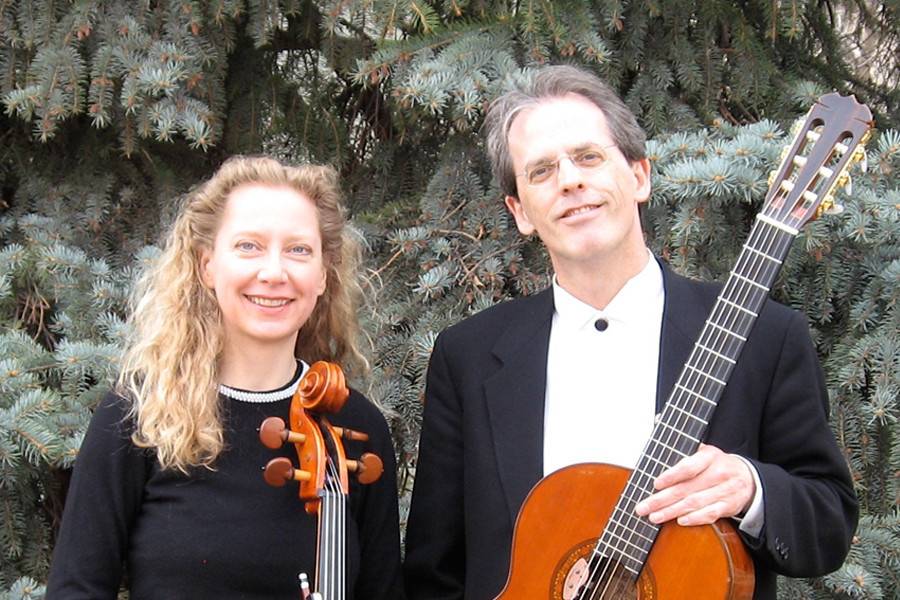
256	281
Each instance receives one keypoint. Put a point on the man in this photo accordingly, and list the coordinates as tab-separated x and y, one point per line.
577	372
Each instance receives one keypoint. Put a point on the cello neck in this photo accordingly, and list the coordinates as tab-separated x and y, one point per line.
331	557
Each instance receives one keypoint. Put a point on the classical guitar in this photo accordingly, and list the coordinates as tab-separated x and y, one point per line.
602	549
322	471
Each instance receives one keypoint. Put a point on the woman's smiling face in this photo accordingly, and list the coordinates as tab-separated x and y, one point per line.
266	266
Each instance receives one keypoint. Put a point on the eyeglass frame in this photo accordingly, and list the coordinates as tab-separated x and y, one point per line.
555	163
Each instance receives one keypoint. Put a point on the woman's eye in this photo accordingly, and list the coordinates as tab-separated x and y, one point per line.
301	250
246	246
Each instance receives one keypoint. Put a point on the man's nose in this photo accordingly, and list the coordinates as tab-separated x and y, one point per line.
569	177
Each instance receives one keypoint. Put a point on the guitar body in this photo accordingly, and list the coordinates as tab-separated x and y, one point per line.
562	518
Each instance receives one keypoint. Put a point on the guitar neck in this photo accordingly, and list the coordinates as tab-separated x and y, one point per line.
684	419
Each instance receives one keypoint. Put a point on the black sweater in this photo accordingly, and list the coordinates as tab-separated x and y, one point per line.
221	533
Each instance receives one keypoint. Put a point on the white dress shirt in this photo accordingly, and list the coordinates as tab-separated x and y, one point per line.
601	385
600	401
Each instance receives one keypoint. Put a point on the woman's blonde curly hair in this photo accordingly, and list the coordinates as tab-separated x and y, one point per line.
169	369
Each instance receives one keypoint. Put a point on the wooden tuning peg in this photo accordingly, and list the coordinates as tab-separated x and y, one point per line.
368	468
351	434
273	433
279	471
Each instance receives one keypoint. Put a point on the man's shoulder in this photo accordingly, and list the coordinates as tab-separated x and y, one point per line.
494	320
705	293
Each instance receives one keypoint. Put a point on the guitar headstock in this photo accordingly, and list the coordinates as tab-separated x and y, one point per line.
831	138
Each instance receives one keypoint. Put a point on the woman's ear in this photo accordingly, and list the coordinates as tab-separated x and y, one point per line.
206	272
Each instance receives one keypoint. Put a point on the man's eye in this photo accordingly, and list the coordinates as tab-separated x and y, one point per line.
589	158
541	172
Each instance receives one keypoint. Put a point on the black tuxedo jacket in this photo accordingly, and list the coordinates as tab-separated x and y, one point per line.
481	448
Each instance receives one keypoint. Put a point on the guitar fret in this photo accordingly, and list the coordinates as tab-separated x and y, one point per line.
693	393
670	448
613	520
644	473
689	414
626	538
763	254
726	330
750	281
598	552
627	543
776	224
711	351
738	306
705	374
678	431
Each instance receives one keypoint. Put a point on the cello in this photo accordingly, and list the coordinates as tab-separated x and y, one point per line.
577	536
322	471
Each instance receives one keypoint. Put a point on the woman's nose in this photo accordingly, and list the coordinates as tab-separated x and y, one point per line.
272	269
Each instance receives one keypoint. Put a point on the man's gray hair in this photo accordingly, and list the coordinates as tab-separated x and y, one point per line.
554	82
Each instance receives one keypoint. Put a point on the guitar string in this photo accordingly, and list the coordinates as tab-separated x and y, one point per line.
740	320
622	580
732	315
680	434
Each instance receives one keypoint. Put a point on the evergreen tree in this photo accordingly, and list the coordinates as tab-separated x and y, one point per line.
113	109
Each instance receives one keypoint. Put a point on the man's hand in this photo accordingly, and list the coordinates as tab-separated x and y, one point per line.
700	489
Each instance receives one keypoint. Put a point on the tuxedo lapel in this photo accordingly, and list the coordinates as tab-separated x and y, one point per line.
684	313
515	398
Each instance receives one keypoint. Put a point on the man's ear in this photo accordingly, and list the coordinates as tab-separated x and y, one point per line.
641	170
518	212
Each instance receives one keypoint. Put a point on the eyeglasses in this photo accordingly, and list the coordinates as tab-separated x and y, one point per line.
586	159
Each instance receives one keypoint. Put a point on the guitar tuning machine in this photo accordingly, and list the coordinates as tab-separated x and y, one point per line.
861	156
845	181
829	206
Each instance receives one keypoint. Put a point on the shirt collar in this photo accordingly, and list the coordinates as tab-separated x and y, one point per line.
638	298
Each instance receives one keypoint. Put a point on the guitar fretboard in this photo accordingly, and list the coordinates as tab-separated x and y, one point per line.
627	539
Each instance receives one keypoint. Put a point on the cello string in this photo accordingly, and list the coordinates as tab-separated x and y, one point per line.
337	513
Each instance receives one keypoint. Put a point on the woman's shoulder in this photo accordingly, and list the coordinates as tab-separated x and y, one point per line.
112	415
360	409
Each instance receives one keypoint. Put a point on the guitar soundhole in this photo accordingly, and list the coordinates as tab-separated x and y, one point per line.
582	576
